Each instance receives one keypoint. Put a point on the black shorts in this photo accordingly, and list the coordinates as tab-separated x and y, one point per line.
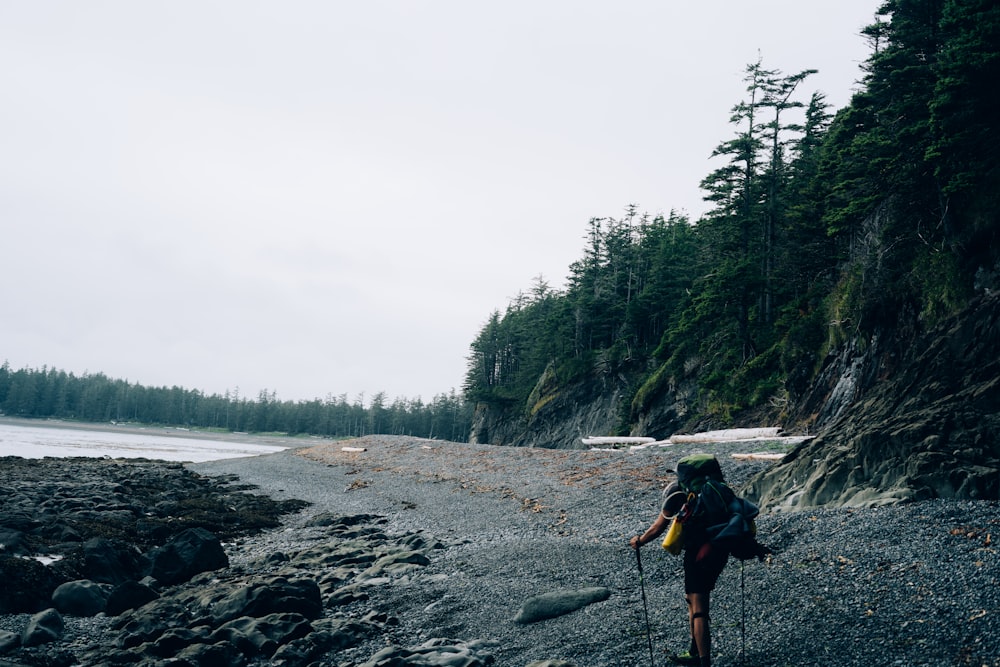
702	567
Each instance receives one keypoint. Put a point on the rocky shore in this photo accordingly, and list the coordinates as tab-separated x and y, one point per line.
399	551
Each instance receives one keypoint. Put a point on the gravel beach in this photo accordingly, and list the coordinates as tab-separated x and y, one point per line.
915	584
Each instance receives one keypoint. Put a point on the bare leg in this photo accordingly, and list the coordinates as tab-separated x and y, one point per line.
694	645
700	632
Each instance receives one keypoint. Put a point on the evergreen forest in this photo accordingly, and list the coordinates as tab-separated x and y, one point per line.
824	228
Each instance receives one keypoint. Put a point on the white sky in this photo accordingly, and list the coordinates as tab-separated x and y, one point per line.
327	197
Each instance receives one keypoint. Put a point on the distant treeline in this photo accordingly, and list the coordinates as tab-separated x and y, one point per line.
51	393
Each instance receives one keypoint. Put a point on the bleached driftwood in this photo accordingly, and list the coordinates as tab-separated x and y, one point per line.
759	456
617	440
767	434
353	449
728	435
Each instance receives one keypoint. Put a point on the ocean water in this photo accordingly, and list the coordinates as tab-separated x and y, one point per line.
34	442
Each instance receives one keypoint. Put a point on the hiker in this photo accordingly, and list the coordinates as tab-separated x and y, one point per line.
703	563
705	518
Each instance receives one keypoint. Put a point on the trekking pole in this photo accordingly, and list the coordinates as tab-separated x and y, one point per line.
645	607
743	612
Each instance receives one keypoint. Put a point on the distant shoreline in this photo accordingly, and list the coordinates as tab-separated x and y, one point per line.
287	441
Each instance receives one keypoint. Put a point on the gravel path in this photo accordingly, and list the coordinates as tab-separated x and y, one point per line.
908	585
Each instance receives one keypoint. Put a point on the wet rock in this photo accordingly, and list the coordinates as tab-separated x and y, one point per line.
17	518
174	640
129	595
420	542
340	521
439	652
44	627
348	553
191	552
110	562
263	636
11	541
558	603
27	585
94	517
192	608
9	641
270	596
344	633
147	623
328	635
222	654
346	595
397	563
80	598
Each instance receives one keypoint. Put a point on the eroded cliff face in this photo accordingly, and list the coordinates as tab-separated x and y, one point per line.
901	419
560	417
559	420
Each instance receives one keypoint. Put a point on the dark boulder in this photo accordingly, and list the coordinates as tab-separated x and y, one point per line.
18	519
147	623
270	596
129	595
174	640
110	562
11	541
27	585
222	654
44	627
329	634
188	553
437	651
256	637
9	641
80	598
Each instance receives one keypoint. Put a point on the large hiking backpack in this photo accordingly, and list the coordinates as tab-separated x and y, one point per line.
714	509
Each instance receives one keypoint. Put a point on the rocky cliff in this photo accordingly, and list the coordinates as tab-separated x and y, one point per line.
901	418
898	416
557	418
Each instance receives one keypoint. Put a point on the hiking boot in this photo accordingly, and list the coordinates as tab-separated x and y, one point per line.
686	658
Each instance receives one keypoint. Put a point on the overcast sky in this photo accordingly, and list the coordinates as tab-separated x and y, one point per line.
324	197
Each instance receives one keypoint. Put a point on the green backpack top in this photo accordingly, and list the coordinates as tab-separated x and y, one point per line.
696	469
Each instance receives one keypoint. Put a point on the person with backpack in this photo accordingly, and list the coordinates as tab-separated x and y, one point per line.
714	524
